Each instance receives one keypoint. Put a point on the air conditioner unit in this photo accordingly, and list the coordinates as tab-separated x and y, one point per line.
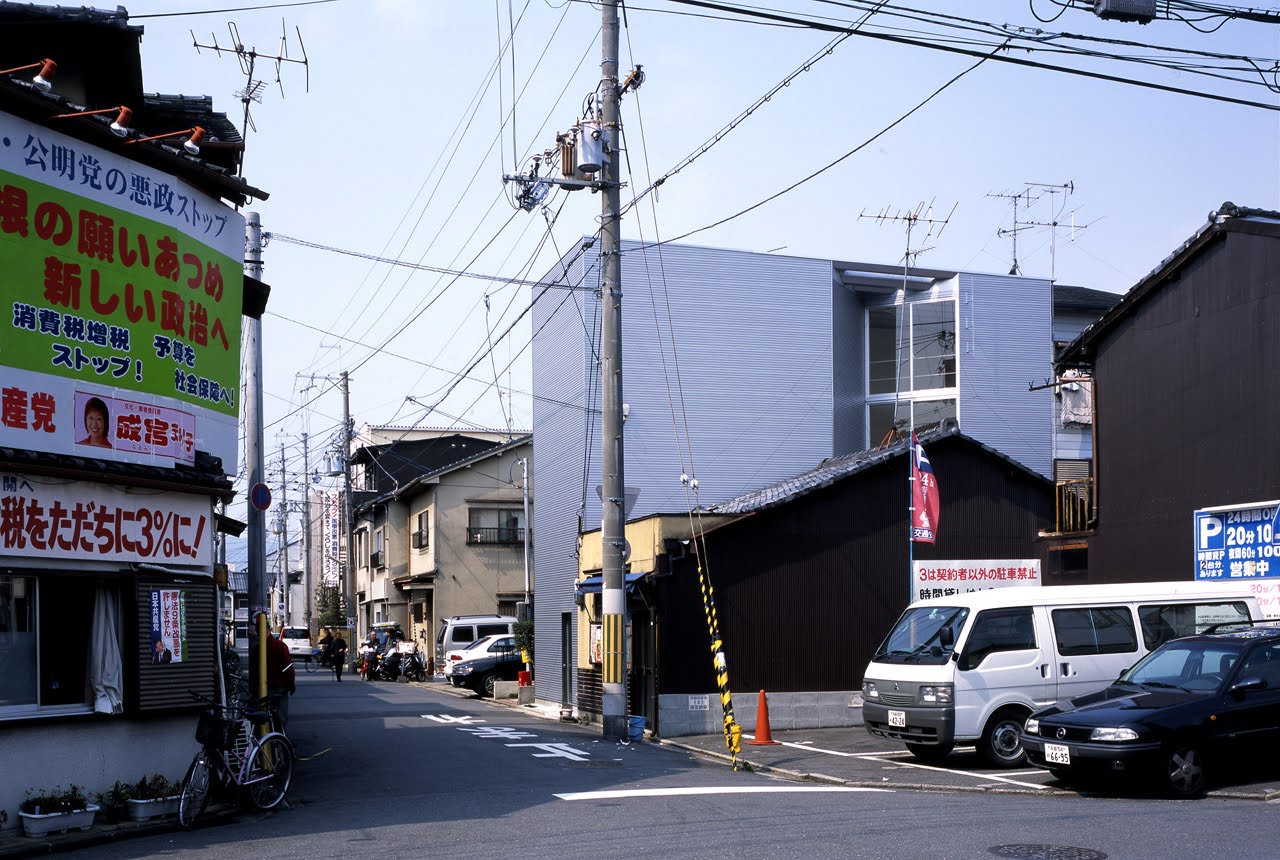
418	540
375	559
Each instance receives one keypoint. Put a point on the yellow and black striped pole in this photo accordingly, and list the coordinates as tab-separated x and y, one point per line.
732	731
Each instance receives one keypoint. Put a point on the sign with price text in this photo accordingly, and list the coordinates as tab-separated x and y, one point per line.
1238	543
51	518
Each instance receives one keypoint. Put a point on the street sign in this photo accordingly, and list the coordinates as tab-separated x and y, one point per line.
260	497
351	621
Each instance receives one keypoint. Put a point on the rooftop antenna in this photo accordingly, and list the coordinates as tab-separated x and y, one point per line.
1018	226
248	57
1055	219
920	215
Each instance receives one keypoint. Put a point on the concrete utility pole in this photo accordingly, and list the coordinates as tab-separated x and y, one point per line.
287	617
348	567
251	399
306	530
613	526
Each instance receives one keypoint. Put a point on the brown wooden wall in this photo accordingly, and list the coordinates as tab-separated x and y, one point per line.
1188	406
805	592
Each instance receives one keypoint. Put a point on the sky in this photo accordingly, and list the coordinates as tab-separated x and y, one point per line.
384	158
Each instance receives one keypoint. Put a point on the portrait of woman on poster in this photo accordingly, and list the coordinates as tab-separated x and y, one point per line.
97	421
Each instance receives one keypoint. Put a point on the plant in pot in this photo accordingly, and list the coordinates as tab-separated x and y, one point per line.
152	796
56	810
112	801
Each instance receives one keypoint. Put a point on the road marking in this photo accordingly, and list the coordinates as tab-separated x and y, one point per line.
450	718
503	732
979	776
711	789
556	751
808	745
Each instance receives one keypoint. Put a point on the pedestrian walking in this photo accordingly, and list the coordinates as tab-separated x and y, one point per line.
338	654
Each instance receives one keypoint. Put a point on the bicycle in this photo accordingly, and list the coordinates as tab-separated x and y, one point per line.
232	754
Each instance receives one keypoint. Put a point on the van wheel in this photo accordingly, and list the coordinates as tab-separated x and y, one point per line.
1000	746
932	753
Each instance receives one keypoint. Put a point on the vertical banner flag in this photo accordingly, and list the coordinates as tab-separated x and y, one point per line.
168	626
924	495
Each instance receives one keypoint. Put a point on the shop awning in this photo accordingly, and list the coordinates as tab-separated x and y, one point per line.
595	584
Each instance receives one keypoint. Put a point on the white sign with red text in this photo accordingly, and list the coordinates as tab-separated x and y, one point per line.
47	518
947	578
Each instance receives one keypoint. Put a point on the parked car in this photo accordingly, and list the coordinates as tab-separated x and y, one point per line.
299	641
1190	708
481	673
480	648
460	631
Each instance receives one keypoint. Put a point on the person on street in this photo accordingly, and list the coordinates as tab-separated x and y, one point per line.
280	675
338	655
326	647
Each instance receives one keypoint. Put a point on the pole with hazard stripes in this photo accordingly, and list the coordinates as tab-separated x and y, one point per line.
732	731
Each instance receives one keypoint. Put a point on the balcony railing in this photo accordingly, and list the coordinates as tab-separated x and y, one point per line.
1074	506
495	535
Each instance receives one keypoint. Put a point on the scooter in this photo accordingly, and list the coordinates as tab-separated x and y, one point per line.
388	668
368	662
413	667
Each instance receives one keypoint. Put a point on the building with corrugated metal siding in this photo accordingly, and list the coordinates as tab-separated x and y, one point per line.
743	369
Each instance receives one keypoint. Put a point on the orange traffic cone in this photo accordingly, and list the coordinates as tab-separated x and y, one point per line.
763	737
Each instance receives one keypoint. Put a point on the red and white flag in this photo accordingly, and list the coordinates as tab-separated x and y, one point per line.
924	495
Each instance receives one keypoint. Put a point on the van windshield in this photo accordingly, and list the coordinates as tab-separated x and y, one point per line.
917	637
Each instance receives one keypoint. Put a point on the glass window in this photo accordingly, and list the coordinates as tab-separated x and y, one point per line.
493	629
888	356
999	630
918	637
905	415
1094	630
495	525
17	641
933	345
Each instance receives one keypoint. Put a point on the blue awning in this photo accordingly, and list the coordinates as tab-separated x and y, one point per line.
595	584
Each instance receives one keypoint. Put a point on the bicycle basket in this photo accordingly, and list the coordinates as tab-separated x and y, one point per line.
211	729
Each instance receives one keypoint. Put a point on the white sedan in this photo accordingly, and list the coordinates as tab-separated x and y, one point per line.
482	647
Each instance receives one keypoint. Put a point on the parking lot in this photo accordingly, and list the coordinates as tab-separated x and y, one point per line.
851	756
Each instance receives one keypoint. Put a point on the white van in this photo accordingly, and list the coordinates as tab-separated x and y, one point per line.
969	669
460	631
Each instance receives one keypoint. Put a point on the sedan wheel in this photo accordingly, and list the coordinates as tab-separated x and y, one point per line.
1185	772
487	682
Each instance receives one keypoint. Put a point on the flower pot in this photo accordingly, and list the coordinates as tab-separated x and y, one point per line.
57	822
141	810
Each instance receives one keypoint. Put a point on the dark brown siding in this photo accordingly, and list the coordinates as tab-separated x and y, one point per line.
1187	409
805	592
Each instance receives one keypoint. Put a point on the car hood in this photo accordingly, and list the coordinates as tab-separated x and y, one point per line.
1114	705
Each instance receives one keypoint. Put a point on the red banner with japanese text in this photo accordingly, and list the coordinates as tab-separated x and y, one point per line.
924	495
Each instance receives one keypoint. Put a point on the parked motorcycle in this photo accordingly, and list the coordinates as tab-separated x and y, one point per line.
413	666
389	666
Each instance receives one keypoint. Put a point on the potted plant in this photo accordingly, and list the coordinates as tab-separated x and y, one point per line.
56	811
113	800
152	796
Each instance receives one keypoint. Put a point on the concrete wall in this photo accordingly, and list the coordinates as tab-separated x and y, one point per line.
92	755
786	711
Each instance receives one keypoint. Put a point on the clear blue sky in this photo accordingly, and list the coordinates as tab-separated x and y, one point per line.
398	148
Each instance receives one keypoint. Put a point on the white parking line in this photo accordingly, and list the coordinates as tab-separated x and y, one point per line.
709	789
879	755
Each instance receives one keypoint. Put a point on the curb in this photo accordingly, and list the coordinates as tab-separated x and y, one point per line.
102	834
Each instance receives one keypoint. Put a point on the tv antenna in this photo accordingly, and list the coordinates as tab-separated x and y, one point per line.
248	57
922	214
1057	213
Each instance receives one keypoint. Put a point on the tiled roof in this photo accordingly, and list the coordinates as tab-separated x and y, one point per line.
205	475
835	469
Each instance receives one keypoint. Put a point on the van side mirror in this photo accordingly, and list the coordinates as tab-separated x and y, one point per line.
947	636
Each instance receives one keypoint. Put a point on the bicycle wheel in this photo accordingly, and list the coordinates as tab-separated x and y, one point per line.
270	771
311	664
230	661
195	790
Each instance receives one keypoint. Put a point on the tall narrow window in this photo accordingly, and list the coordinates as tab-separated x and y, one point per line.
888	356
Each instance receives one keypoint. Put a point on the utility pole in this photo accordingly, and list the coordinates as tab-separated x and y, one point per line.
348	566
306	530
284	542
613	527
251	399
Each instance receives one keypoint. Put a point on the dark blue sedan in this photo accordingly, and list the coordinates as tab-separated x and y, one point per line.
1189	708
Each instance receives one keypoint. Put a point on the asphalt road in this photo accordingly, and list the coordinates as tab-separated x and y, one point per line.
410	770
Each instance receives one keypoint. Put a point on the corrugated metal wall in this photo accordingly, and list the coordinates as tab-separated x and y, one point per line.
805	592
1006	342
848	370
566	324
1187	412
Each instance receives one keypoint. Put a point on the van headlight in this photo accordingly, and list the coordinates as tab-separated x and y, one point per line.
938	694
1032	726
869	690
1112	734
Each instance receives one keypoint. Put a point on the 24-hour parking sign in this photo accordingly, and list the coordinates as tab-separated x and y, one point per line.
1240	542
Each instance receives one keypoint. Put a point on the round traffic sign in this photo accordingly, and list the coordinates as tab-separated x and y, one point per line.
260	497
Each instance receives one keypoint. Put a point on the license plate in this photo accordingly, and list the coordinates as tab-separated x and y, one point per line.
1057	754
898	719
